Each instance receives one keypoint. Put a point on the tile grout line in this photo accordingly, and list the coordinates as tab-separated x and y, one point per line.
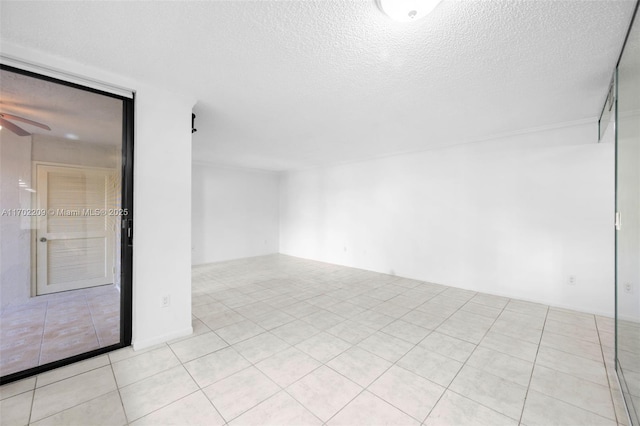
554	348
113	373
73	406
535	359
365	388
416	345
33	401
93	321
306	289
44	329
280	388
251	364
325	365
45	302
606	368
200	389
465	363
572	404
283	389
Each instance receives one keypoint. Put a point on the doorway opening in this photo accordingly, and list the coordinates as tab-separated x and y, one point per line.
66	209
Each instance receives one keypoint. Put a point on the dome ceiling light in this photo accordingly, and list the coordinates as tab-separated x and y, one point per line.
407	10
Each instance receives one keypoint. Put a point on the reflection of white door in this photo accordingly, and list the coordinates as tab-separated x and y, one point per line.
74	240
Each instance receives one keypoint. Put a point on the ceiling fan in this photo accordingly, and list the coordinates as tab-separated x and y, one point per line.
4	121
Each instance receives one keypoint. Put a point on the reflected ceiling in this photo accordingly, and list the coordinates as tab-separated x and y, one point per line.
71	113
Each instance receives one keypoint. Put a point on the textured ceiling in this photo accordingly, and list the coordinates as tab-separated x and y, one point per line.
292	84
70	113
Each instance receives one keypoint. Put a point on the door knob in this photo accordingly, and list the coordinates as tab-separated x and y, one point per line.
43	240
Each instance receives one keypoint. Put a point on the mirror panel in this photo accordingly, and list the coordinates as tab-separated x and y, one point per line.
61	204
628	229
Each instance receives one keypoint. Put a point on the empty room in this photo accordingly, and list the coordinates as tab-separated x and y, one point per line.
309	212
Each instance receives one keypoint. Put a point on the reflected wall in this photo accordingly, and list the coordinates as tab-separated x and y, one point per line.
628	223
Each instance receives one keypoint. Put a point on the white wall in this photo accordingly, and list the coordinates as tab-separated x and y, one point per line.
234	213
162	217
15	231
162	200
629	206
513	216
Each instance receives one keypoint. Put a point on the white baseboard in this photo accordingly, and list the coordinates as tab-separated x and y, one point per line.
145	343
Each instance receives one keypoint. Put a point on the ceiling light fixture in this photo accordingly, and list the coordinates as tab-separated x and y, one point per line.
407	10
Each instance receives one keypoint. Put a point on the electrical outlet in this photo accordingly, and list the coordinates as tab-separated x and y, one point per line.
572	280
165	301
628	288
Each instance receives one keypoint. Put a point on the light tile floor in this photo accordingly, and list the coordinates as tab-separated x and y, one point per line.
287	341
56	326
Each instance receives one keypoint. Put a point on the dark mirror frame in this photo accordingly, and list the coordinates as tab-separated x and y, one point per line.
126	229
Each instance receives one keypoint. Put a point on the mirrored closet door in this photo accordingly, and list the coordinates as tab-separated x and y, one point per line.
65	205
628	223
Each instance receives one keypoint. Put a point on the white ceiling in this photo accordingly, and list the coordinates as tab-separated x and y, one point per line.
70	113
294	84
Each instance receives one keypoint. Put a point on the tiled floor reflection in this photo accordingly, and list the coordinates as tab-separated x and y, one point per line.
52	327
284	341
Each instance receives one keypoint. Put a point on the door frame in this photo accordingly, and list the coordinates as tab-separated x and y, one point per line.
126	228
34	219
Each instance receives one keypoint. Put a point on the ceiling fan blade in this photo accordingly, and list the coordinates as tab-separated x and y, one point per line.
12	127
24	120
